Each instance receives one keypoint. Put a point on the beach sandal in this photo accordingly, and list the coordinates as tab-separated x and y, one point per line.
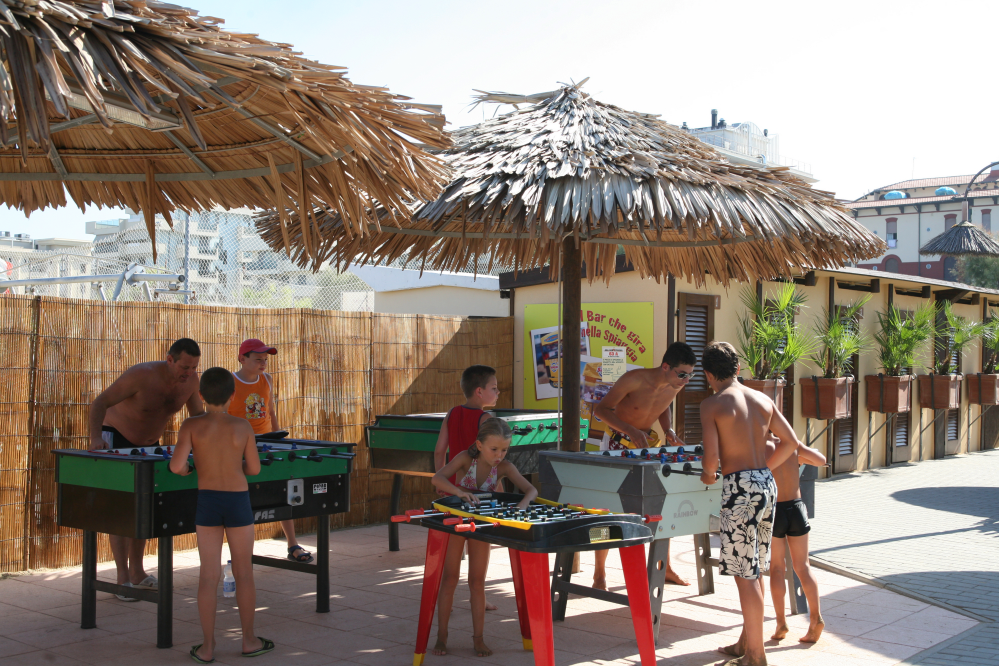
195	657
148	583
304	558
268	645
122	597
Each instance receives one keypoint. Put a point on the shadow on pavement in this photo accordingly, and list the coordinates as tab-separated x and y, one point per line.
970	500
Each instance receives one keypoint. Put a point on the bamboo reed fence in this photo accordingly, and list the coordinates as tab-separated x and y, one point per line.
334	372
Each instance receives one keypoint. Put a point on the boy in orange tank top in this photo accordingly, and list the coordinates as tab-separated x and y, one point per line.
256	401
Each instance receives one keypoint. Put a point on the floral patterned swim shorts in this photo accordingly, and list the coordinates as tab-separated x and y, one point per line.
747	514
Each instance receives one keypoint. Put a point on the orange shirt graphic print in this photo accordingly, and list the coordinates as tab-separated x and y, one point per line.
256	408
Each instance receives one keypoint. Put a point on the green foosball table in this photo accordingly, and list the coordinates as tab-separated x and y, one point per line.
404	445
132	493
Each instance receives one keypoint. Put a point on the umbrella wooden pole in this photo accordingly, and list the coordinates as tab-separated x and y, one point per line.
572	261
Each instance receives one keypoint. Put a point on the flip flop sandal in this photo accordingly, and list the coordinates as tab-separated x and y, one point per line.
304	558
195	657
268	645
148	583
122	597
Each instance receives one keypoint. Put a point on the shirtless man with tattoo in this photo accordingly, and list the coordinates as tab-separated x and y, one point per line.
133	413
633	405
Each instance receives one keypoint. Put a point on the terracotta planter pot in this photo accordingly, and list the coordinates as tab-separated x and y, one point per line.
888	395
772	388
834	397
943	393
983	389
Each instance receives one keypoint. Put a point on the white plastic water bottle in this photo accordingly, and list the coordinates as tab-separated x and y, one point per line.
228	582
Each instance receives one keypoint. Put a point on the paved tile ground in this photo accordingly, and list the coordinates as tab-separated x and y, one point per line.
931	528
375	602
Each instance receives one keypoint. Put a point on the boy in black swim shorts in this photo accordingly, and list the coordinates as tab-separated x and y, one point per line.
790	535
225	453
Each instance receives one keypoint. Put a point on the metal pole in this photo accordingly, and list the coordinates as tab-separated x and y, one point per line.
187	252
84	279
870	424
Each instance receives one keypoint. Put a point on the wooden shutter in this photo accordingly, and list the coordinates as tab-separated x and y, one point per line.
843	439
953	430
901	438
844	433
696	327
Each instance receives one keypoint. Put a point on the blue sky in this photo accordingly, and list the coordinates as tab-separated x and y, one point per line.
857	89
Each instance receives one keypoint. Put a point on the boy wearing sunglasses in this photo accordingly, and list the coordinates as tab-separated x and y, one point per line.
633	405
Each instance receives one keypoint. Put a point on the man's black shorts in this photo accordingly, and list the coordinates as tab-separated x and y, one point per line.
116	440
790	519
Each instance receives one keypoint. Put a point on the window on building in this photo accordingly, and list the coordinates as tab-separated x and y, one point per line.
892	264
987	220
891	233
950	220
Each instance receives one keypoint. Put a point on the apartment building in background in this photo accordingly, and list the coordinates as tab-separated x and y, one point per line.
909	213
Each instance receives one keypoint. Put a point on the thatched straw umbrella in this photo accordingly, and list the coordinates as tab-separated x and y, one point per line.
962	240
146	105
570	179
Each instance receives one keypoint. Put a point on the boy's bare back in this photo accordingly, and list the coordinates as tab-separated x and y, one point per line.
785	474
737	421
225	450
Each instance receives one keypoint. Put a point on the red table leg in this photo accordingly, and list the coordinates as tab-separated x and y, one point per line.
432	572
635	577
518	589
538	595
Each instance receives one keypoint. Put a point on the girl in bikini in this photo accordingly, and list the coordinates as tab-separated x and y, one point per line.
480	470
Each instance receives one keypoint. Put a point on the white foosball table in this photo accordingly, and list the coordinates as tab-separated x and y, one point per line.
661	481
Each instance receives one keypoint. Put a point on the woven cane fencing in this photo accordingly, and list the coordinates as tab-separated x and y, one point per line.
333	373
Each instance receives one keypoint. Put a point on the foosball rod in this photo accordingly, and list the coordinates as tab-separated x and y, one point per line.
688	470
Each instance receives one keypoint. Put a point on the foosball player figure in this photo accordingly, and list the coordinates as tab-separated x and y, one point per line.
461	425
635	402
791	530
225	453
480	468
256	401
132	413
735	423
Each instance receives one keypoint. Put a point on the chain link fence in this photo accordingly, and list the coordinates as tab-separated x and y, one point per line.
224	260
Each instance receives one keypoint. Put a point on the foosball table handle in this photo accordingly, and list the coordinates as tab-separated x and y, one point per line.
652	518
454	520
471	527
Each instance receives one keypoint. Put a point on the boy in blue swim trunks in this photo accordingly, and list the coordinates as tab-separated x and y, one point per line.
225	453
736	422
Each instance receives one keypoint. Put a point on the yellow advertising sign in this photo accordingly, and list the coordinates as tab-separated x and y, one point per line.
625	325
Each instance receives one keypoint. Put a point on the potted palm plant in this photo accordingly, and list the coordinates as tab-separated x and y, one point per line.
839	338
983	388
769	340
898	340
941	389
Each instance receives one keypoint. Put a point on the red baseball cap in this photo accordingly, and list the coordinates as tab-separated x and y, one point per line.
254	345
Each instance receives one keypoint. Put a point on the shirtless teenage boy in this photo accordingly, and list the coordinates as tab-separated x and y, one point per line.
225	453
791	531
634	403
735	423
132	413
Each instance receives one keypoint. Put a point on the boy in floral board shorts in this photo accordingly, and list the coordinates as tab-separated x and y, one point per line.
736	422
